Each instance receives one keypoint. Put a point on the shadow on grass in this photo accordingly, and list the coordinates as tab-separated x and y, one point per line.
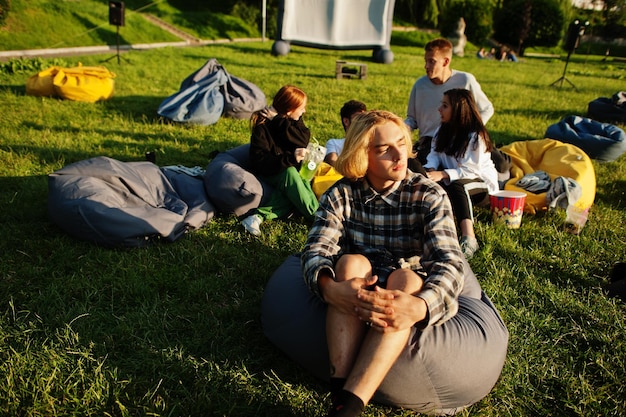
18	90
119	149
140	108
106	36
613	195
175	324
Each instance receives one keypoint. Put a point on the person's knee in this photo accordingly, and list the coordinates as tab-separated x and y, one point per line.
351	266
289	177
405	280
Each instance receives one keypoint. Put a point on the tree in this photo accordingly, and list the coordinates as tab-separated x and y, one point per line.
524	23
477	15
418	12
614	13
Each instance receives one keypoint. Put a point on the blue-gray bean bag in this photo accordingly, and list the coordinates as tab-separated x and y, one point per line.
126	204
601	141
232	188
211	92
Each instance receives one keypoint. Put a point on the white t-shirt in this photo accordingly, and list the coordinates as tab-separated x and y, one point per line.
426	98
334	145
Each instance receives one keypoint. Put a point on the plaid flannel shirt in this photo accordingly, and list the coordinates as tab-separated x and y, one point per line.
412	220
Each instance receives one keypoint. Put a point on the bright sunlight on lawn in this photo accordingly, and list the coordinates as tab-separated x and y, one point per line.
174	329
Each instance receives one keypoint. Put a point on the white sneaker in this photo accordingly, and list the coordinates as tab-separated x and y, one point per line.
469	246
252	224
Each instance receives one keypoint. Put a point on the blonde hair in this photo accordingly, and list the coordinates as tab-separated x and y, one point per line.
353	161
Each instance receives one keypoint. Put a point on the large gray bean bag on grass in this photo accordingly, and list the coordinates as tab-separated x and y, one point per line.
125	204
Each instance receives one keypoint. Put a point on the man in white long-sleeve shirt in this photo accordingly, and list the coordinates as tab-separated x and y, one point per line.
427	93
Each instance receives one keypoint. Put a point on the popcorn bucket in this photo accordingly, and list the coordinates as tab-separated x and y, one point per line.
507	207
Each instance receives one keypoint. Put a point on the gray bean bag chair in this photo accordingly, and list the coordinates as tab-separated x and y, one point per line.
211	92
126	204
446	368
601	141
230	185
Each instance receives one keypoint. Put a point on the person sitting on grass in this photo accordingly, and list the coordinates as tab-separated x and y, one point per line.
406	323
460	157
334	146
277	147
427	91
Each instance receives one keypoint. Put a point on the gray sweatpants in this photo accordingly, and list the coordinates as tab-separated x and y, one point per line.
443	369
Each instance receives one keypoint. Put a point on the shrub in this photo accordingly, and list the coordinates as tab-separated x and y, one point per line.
547	20
5	6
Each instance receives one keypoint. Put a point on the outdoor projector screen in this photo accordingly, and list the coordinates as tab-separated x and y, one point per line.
337	24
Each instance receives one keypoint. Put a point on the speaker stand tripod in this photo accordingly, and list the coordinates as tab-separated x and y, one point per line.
563	77
118	49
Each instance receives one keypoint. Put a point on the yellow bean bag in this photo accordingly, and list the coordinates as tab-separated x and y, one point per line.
324	178
556	158
89	84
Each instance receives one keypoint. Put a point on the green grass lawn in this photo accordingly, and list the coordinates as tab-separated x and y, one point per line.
39	24
174	329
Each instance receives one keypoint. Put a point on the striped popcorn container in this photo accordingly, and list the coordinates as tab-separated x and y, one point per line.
507	208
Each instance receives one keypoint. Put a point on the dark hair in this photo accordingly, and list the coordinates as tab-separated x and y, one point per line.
453	136
351	107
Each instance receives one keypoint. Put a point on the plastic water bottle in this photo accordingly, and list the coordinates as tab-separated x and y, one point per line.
314	156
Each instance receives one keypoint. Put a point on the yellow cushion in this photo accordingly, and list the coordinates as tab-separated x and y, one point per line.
88	84
324	178
40	84
79	83
556	158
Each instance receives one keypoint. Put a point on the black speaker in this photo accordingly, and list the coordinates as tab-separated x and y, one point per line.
116	13
575	31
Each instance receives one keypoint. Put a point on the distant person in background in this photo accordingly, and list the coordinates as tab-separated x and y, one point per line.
506	54
347	112
428	90
482	54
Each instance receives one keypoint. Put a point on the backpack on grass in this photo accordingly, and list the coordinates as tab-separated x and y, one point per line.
608	110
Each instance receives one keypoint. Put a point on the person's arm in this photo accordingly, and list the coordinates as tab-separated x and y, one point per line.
433	159
322	243
296	132
411	113
469	166
485	107
331	158
270	155
442	258
333	148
